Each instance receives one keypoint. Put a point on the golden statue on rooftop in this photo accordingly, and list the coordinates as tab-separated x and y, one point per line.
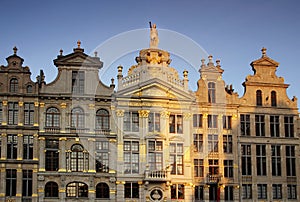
153	36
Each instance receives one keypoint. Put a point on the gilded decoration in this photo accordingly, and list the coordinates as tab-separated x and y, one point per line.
120	112
144	113
165	114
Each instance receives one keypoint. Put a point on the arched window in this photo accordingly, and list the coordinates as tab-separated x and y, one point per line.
258	98
52	117
29	89
273	99
77	190
51	189
211	92
77	118
77	159
102	119
102	191
13	85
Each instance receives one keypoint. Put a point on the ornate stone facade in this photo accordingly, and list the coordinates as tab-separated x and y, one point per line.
151	138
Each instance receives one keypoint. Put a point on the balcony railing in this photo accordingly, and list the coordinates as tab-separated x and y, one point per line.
213	178
52	129
156	175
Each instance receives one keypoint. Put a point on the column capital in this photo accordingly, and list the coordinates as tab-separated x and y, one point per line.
120	112
63	105
42	104
36	104
4	102
165	114
21	104
62	139
144	113
187	116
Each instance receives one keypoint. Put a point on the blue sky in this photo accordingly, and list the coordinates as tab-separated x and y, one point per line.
232	31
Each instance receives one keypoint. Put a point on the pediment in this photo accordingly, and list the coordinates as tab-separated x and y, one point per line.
78	59
265	61
155	90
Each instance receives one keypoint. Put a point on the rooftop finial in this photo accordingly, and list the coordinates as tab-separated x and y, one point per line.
96	53
61	52
264	52
78	43
15	50
153	36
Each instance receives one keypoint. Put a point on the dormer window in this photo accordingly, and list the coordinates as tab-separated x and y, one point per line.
13	85
273	99
78	82
211	92
29	89
258	98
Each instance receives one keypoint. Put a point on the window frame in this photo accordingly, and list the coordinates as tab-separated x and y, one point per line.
52	117
102	119
176	123
79	193
131	157
52	188
176	158
13	85
211	86
13	113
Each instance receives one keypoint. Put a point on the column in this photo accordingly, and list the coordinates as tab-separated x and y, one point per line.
188	192
91	150
19	181
42	116
35	147
4	112
2	182
34	185
20	147
3	146
206	192
90	123
63	120
120	190
36	114
42	154
62	154
120	163
143	114
21	114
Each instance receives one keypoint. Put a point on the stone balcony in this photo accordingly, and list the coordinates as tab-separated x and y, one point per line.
156	175
213	179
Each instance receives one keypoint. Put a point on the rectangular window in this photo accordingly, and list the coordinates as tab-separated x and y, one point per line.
276	160
212	121
247	191
51	155
197	120
199	193
274	126
227	120
27	183
228	193
155	155
227	144
292	191
13	113
131	157
176	158
78	82
175	123
131	190
246	160
228	168
131	121
12	146
213	143
289	126
277	191
28	113
198	142
154	122
262	191
260	125
177	191
27	147
290	161
213	166
198	168
11	182
261	160
102	156
245	124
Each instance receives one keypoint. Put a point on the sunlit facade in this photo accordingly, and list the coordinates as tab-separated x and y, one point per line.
148	137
